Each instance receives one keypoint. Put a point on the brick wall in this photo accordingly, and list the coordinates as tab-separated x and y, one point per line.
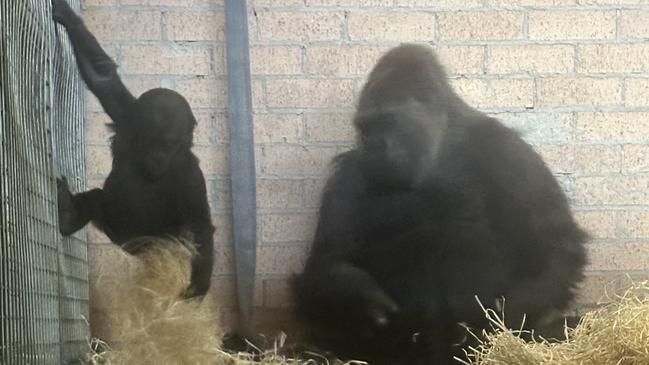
571	75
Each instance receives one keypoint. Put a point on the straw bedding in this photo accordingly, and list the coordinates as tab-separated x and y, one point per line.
615	334
153	325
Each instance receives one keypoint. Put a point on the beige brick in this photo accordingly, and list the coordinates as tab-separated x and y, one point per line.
491	93
482	25
634	224
533	2
313	191
276	60
633	24
440	3
224	262
195	26
285	260
597	160
540	128
123	25
286	128
280	194
167	60
314	93
626	256
92	103
559	158
598	289
219	193
223	224
96	129
179	3
211	128
605	58
221	128
219	63
329	127
635	159
278	3
90	184
599	126
98	160
599	224
298	227
636	92
213	160
553	25
616	190
294	160
392	26
348	3
224	291
612	2
278	293
299	26
530	59
202	92
99	2
258	91
563	91
613	126
461	60
342	60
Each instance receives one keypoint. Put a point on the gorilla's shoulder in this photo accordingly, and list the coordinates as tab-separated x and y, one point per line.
346	160
491	133
489	127
346	173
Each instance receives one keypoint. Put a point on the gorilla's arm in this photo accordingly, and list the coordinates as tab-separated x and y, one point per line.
76	210
544	243
196	212
331	285
97	69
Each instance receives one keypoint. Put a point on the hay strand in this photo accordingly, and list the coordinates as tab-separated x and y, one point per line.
152	325
615	334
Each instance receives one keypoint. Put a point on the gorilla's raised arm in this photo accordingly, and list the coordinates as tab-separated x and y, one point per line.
97	69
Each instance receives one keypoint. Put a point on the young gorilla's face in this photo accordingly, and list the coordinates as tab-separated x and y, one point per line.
163	126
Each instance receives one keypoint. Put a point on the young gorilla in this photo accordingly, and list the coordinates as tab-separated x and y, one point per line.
437	204
155	186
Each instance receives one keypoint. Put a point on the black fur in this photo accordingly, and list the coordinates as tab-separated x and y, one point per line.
156	186
438	203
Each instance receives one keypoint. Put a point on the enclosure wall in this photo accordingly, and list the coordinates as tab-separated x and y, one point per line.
571	75
43	278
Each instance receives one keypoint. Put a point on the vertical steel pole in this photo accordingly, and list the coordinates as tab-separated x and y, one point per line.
242	155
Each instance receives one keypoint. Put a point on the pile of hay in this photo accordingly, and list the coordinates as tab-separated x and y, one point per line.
616	334
151	324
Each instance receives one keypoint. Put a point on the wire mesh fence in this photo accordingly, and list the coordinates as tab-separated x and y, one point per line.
43	278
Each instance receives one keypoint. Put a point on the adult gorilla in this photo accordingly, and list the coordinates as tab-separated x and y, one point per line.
437	204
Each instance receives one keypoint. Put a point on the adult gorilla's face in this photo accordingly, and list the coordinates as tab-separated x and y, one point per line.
398	144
